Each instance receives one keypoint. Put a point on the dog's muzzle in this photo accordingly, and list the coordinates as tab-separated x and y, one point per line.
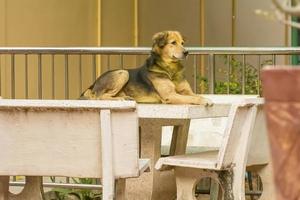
186	53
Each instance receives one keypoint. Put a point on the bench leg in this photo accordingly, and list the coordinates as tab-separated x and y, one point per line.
187	179
4	187
233	183
265	173
33	189
226	181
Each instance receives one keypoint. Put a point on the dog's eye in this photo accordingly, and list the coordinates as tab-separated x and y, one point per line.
182	43
174	42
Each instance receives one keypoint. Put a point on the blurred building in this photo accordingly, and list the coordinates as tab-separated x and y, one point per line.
81	23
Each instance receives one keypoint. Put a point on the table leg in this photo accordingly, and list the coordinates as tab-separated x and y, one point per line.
155	185
4	187
179	138
120	189
33	189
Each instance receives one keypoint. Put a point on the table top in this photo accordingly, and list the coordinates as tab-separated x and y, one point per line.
222	104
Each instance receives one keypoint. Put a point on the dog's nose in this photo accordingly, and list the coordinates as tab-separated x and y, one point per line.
185	53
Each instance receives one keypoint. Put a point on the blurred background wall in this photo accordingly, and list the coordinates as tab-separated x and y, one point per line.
79	23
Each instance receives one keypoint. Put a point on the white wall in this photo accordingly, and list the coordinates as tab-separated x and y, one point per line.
255	30
250	30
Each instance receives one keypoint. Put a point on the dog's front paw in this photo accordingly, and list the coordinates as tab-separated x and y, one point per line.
207	102
204	101
128	98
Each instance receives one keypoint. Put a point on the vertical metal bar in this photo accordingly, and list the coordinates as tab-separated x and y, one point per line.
66	76
94	75
136	60
274	59
40	80
228	73
250	184
13	95
108	62
0	74
53	75
121	61
80	74
211	65
258	74
52	178
26	76
67	179
195	73
243	73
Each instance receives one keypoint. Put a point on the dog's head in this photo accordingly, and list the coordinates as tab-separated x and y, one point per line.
169	46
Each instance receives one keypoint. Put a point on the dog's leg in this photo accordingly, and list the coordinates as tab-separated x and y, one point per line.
167	91
112	84
108	86
122	95
184	88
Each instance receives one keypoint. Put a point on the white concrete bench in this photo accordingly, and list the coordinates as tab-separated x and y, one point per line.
227	164
96	139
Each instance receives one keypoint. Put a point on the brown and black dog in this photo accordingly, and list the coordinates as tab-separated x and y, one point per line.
160	80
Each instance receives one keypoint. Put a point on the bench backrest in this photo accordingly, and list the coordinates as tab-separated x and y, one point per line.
66	138
236	139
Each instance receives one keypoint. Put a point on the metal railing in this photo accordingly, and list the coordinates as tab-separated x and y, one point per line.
203	60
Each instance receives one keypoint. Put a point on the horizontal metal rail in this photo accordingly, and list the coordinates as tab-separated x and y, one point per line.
146	50
252	193
99	187
61	185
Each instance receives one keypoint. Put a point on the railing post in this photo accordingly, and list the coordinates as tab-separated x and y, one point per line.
26	76
211	65
53	75
40	78
258	75
80	74
228	73
195	74
244	75
66	76
12	76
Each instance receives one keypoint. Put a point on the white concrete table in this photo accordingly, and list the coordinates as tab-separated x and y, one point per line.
158	185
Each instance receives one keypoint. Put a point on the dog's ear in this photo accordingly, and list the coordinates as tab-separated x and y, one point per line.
160	39
184	38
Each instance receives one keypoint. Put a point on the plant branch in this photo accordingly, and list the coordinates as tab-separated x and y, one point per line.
285	8
281	18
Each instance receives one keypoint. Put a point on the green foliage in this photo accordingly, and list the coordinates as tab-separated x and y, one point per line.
82	194
234	85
